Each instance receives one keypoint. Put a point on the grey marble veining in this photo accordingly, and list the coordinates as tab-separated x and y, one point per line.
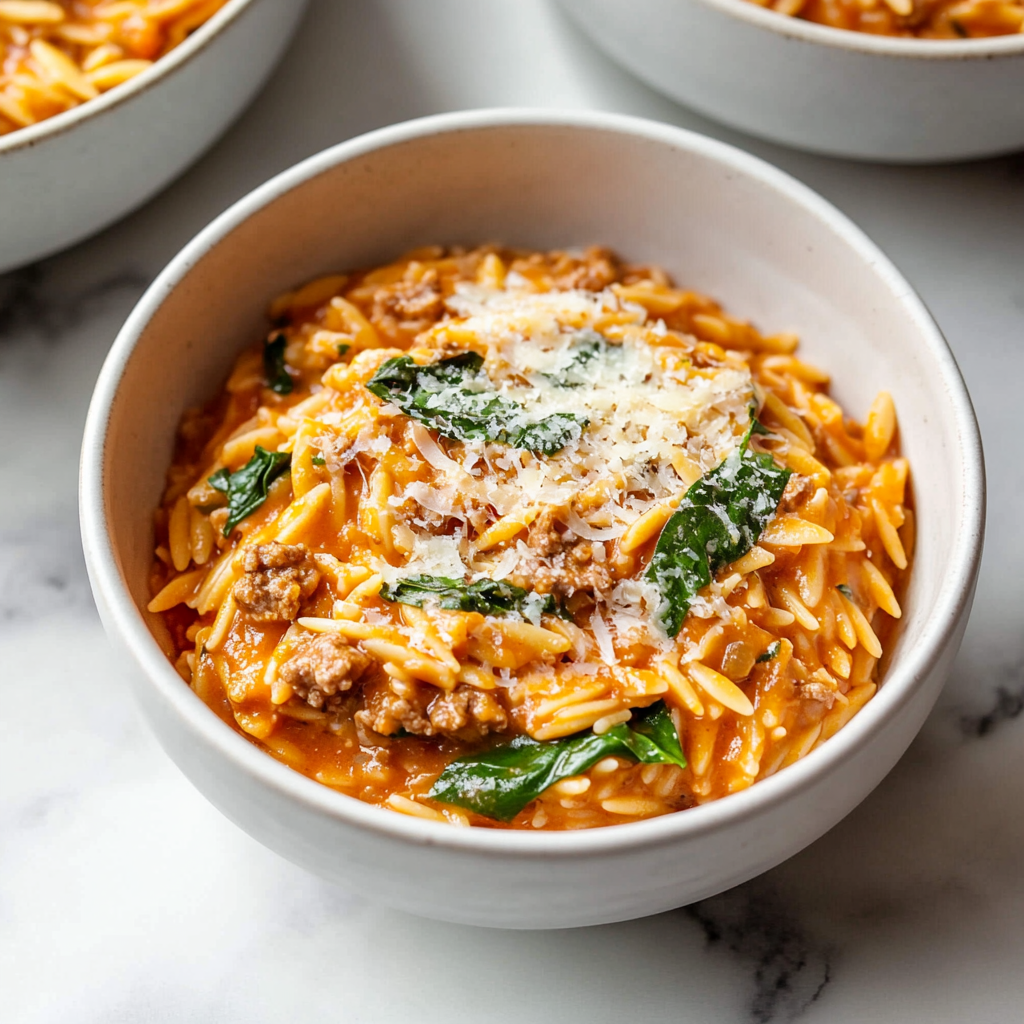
35	300
790	970
124	897
1008	705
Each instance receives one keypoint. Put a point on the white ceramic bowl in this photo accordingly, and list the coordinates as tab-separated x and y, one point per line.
841	93
71	175
722	222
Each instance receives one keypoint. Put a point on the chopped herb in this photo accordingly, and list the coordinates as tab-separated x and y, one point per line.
488	597
318	460
770	652
719	520
247	487
500	782
343	347
457	399
274	367
846	592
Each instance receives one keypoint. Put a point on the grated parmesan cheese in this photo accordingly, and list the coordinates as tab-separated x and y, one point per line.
655	422
430	556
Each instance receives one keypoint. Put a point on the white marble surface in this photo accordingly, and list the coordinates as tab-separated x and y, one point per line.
125	897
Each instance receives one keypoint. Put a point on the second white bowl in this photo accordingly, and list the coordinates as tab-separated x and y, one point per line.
71	175
840	93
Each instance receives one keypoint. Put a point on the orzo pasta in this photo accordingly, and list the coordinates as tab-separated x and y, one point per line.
923	19
56	54
529	540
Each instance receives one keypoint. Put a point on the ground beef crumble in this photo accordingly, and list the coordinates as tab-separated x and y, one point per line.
323	669
278	578
798	490
465	714
413	305
466	708
563	564
387	713
594	272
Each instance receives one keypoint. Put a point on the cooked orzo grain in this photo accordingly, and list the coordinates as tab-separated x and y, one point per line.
56	54
529	540
921	19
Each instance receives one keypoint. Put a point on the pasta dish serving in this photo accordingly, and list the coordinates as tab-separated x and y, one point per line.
529	540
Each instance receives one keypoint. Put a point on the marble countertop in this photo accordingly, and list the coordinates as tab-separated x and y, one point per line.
125	897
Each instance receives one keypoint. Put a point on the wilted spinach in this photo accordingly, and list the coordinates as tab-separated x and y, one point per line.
274	368
500	782
587	346
247	487
719	520
457	399
488	597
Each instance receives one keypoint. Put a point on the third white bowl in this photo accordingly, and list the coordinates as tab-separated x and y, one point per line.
814	87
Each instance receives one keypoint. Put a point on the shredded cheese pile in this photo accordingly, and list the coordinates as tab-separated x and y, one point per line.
656	423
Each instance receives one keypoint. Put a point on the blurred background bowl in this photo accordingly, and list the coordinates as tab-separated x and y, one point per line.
73	174
722	222
848	94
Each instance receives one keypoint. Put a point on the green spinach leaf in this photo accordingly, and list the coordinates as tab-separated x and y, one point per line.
247	487
655	724
456	398
719	520
587	346
274	367
488	597
500	782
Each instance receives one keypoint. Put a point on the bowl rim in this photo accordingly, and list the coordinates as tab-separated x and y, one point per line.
985	48
195	43
124	618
